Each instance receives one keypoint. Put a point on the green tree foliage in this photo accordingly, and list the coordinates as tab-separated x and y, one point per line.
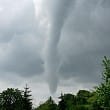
106	72
14	99
27	101
11	99
62	103
92	101
48	105
82	97
72	102
103	90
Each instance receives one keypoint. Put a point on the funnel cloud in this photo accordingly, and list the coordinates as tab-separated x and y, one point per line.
52	60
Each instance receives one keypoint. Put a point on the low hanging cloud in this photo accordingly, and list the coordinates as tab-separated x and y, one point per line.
59	40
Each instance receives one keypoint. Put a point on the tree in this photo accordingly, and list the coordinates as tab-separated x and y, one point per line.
92	101
82	96
103	90
27	101
62	103
48	105
51	104
11	99
106	72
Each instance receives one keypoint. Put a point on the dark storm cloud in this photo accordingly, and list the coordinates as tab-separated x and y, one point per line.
85	40
22	57
17	17
20	39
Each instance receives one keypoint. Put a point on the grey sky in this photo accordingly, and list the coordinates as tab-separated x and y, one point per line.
52	42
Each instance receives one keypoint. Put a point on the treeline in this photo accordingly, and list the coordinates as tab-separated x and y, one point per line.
97	99
84	100
15	99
